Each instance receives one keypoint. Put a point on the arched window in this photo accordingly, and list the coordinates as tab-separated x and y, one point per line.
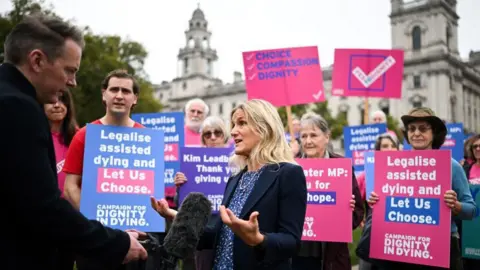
416	38
453	105
186	68
417	104
191	42
362	116
209	67
386	110
448	35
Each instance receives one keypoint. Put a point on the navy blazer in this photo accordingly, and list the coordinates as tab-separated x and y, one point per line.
280	197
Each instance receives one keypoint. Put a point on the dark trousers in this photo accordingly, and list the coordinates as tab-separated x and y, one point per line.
65	260
204	259
364	265
456	262
471	264
189	263
306	263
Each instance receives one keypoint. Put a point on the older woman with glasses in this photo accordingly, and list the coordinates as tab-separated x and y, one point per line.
315	137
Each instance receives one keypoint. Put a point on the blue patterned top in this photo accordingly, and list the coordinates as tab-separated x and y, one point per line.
224	251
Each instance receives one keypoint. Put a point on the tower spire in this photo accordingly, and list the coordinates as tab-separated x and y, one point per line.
197	57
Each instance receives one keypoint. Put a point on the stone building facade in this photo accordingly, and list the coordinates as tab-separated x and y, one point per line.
434	74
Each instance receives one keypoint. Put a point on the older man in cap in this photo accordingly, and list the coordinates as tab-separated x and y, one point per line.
425	131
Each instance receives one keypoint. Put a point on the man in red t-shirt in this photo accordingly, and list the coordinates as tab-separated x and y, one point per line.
120	93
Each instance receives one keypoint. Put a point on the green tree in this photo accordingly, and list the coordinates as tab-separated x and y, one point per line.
394	125
102	54
336	123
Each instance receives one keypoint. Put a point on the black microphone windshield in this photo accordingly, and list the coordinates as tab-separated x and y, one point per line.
188	226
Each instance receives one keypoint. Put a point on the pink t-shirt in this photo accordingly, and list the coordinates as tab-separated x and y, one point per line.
60	154
475	175
192	138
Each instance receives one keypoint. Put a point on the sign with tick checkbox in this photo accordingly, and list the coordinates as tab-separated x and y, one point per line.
368	73
284	77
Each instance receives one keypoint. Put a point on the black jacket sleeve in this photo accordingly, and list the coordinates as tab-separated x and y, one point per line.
34	198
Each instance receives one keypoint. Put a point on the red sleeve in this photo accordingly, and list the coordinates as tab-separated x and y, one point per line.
138	125
74	160
362	185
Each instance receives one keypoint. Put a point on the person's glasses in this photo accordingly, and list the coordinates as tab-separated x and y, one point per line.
421	128
208	134
476	146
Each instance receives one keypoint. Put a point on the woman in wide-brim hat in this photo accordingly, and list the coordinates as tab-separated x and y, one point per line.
439	129
425	131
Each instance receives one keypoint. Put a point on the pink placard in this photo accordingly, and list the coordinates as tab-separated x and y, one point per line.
329	185
368	73
411	222
284	77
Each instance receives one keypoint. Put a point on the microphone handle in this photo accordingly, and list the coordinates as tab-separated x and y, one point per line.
167	261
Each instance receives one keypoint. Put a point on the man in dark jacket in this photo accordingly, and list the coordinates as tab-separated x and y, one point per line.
42	56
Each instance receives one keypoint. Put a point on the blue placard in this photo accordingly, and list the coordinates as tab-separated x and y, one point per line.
369	173
400	209
207	171
122	168
172	124
358	139
453	142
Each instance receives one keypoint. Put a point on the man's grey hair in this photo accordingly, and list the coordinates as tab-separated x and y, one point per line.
316	120
39	31
379	113
197	101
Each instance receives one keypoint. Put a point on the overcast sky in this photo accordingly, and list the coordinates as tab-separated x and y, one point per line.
242	25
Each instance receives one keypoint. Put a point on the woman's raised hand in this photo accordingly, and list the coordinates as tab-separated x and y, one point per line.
162	208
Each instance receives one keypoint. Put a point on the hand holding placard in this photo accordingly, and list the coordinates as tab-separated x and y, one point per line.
451	200
179	179
409	218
